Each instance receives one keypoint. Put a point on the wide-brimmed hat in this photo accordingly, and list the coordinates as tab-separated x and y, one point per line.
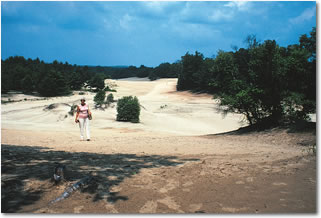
82	99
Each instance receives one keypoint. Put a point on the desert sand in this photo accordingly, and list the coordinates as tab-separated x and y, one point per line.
183	157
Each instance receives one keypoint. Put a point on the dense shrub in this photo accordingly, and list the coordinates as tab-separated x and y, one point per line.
99	98
128	109
110	99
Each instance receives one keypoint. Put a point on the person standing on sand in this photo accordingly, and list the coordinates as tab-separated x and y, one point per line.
82	117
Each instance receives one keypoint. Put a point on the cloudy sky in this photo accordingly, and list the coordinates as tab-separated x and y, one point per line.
145	32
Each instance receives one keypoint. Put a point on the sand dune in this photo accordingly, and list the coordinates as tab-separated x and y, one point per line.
163	110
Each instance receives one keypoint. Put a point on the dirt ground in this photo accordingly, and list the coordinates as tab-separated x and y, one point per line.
177	160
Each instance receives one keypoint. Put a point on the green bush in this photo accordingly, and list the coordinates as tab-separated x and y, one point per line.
99	98
73	109
110	99
128	109
108	89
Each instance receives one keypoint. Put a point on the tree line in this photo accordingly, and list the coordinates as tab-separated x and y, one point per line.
265	82
48	79
164	70
57	78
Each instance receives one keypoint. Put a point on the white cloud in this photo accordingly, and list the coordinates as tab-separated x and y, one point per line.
205	12
307	14
239	5
125	21
219	15
159	8
155	6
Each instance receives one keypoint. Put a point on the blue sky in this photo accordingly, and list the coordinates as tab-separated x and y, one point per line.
145	32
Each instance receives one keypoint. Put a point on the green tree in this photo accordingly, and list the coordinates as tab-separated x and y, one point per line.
53	84
27	84
267	83
300	96
192	70
128	109
47	87
143	71
98	82
110	99
224	71
152	76
99	98
74	81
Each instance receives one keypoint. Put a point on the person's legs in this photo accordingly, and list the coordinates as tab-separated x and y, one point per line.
81	126
87	128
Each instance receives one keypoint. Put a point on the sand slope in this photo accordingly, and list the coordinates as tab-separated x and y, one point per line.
163	110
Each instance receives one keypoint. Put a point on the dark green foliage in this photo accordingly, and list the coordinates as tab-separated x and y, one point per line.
165	70
110	99
245	102
128	109
267	83
224	71
97	82
108	89
192	72
152	76
29	75
75	82
47	87
53	85
52	79
27	84
99	98
143	71
296	107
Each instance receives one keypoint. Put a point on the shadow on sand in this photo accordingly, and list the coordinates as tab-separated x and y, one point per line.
21	165
299	127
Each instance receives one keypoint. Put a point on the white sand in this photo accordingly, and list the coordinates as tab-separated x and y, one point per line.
164	110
